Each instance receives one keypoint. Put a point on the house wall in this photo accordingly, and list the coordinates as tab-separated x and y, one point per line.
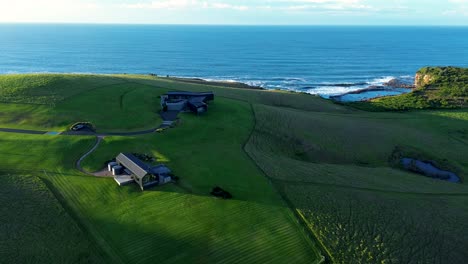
178	106
148	180
163	100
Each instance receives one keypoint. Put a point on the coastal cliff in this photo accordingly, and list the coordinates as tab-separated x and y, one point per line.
443	78
421	80
434	87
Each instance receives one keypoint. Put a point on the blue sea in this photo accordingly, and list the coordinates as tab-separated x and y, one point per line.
325	60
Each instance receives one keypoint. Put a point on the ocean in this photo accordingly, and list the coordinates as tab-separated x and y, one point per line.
325	60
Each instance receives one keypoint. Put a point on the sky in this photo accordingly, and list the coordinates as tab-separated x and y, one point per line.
238	12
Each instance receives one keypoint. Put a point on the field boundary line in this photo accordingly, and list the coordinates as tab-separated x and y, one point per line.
321	244
307	232
365	189
102	246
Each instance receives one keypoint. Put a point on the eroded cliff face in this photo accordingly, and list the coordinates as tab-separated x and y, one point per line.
422	80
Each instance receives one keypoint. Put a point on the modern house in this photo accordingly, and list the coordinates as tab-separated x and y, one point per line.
133	169
186	101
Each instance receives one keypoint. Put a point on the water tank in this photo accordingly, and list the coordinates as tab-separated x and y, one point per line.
111	165
117	170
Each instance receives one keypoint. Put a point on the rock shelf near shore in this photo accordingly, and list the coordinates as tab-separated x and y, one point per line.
396	83
390	88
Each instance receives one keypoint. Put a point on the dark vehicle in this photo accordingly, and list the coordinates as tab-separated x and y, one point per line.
78	127
83	126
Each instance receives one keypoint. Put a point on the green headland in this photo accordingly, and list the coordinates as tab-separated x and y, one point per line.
435	88
312	181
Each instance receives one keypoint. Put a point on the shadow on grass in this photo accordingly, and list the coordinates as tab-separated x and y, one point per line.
189	229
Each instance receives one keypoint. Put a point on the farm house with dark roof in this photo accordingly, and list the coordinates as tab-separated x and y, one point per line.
143	174
186	101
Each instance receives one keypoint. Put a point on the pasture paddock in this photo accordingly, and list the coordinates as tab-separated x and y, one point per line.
280	154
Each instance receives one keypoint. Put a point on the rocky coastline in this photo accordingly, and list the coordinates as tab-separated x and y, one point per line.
390	86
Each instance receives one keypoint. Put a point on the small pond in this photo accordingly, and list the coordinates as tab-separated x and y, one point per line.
428	169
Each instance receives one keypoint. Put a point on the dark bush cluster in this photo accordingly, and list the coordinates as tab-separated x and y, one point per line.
144	157
219	192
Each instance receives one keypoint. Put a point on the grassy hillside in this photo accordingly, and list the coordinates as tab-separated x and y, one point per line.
335	170
436	87
174	224
361	226
309	177
204	152
55	102
36	229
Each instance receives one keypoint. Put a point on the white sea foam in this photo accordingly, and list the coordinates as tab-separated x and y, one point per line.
322	88
327	91
221	80
382	80
256	83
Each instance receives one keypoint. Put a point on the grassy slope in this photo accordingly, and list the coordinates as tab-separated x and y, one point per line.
112	103
332	163
329	161
54	102
273	98
334	168
33	153
175	224
35	228
360	226
204	152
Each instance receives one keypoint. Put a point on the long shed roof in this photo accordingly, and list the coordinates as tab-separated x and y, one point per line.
132	163
206	96
189	93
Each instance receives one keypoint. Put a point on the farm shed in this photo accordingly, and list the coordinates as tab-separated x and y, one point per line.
143	174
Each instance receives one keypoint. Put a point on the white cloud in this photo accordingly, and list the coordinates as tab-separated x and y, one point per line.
322	5
456	12
260	5
461	2
227	11
45	10
184	4
460	9
342	2
169	4
228	6
7	5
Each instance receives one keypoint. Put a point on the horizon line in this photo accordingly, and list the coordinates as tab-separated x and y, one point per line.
239	25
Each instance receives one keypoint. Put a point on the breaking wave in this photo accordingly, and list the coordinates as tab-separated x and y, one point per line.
322	88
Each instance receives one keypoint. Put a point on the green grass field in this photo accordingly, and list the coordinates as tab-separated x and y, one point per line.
36	229
309	177
335	170
55	102
180	223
